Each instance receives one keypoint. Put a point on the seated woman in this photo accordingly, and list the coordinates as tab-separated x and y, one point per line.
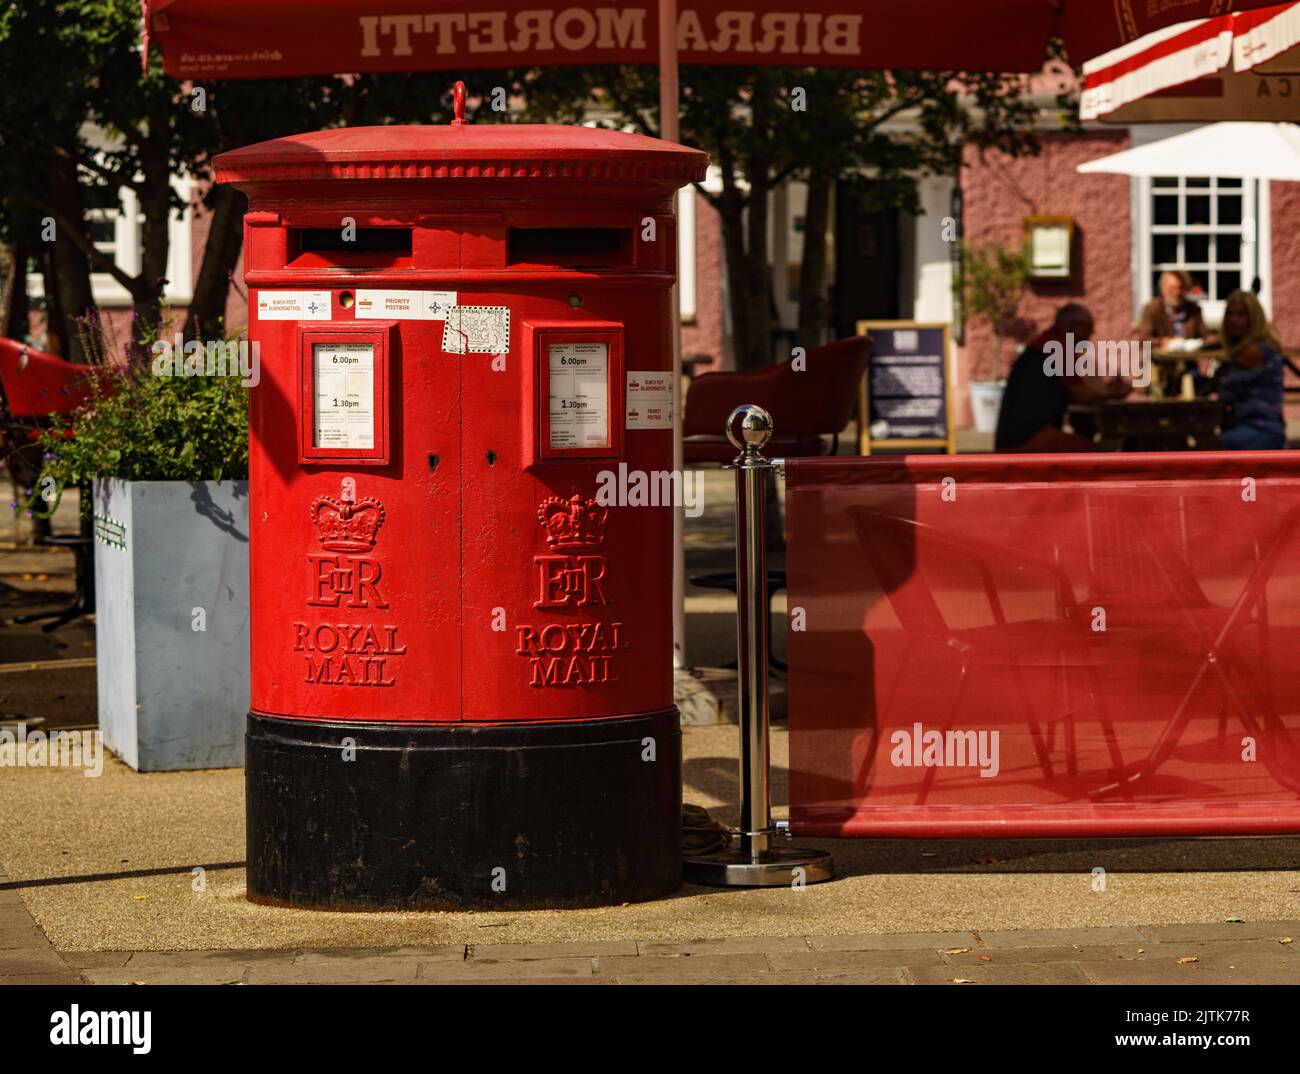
1250	381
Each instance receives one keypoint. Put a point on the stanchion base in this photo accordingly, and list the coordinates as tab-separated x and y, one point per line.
780	867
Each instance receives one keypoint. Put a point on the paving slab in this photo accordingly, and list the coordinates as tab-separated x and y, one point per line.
214	971
1010	956
853	961
732	945
496	952
1208	969
26	954
324	957
1245	930
33	960
986	973
338	971
519	970
697	968
868	941
1059	937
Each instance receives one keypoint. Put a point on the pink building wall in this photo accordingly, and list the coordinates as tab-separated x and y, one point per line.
1284	208
1000	191
704	335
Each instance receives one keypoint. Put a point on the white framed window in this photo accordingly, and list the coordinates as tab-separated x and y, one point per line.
118	230
1214	229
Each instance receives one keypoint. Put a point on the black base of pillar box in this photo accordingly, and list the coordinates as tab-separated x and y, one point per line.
457	816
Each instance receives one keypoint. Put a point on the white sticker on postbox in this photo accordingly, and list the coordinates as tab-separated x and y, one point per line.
579	395
649	400
476	330
403	305
345	395
293	305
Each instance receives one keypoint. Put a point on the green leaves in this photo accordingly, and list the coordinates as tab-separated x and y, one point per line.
990	286
141	427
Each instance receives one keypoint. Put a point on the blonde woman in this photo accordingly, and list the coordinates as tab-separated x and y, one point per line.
1250	387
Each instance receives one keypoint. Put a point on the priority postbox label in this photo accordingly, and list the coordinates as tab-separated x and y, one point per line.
649	400
293	305
397	305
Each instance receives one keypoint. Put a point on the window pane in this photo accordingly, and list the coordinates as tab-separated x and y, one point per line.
1155	283
1200	280
1164	249
1198	209
1230	209
1196	248
1200	182
102	197
102	232
1227	249
1166	209
1226	282
1233	183
1165	180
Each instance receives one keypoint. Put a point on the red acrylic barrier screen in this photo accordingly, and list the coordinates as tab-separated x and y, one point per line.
1045	645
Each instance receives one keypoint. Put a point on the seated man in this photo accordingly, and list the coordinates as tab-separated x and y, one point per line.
1171	314
1037	397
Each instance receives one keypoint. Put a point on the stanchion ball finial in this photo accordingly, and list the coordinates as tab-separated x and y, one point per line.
749	425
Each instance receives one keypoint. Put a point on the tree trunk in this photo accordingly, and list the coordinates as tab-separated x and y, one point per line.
207	313
14	315
758	290
813	310
731	209
155	208
68	295
758	283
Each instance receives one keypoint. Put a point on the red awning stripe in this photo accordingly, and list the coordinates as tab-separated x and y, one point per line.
1263	34
1183	53
1158	61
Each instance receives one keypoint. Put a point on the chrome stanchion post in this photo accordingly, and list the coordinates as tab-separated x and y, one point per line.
752	861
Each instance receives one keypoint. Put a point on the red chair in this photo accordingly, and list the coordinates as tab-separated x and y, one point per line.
806	405
34	385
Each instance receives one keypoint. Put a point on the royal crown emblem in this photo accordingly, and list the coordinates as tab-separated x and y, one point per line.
572	523
347	525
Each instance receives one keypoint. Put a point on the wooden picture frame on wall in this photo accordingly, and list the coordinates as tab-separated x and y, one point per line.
1049	247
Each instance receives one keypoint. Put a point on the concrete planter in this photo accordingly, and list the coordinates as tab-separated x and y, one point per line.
171	590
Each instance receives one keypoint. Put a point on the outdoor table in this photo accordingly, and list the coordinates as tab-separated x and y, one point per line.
1151	424
1172	364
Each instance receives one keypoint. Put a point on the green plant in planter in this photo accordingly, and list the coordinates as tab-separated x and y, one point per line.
137	426
991	285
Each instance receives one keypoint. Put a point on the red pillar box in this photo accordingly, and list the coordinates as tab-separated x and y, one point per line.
461	681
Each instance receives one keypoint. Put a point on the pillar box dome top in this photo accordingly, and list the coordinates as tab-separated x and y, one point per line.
457	151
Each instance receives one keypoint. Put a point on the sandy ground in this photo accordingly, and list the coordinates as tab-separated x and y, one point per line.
106	864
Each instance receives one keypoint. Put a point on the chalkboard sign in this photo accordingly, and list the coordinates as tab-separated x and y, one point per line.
905	399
